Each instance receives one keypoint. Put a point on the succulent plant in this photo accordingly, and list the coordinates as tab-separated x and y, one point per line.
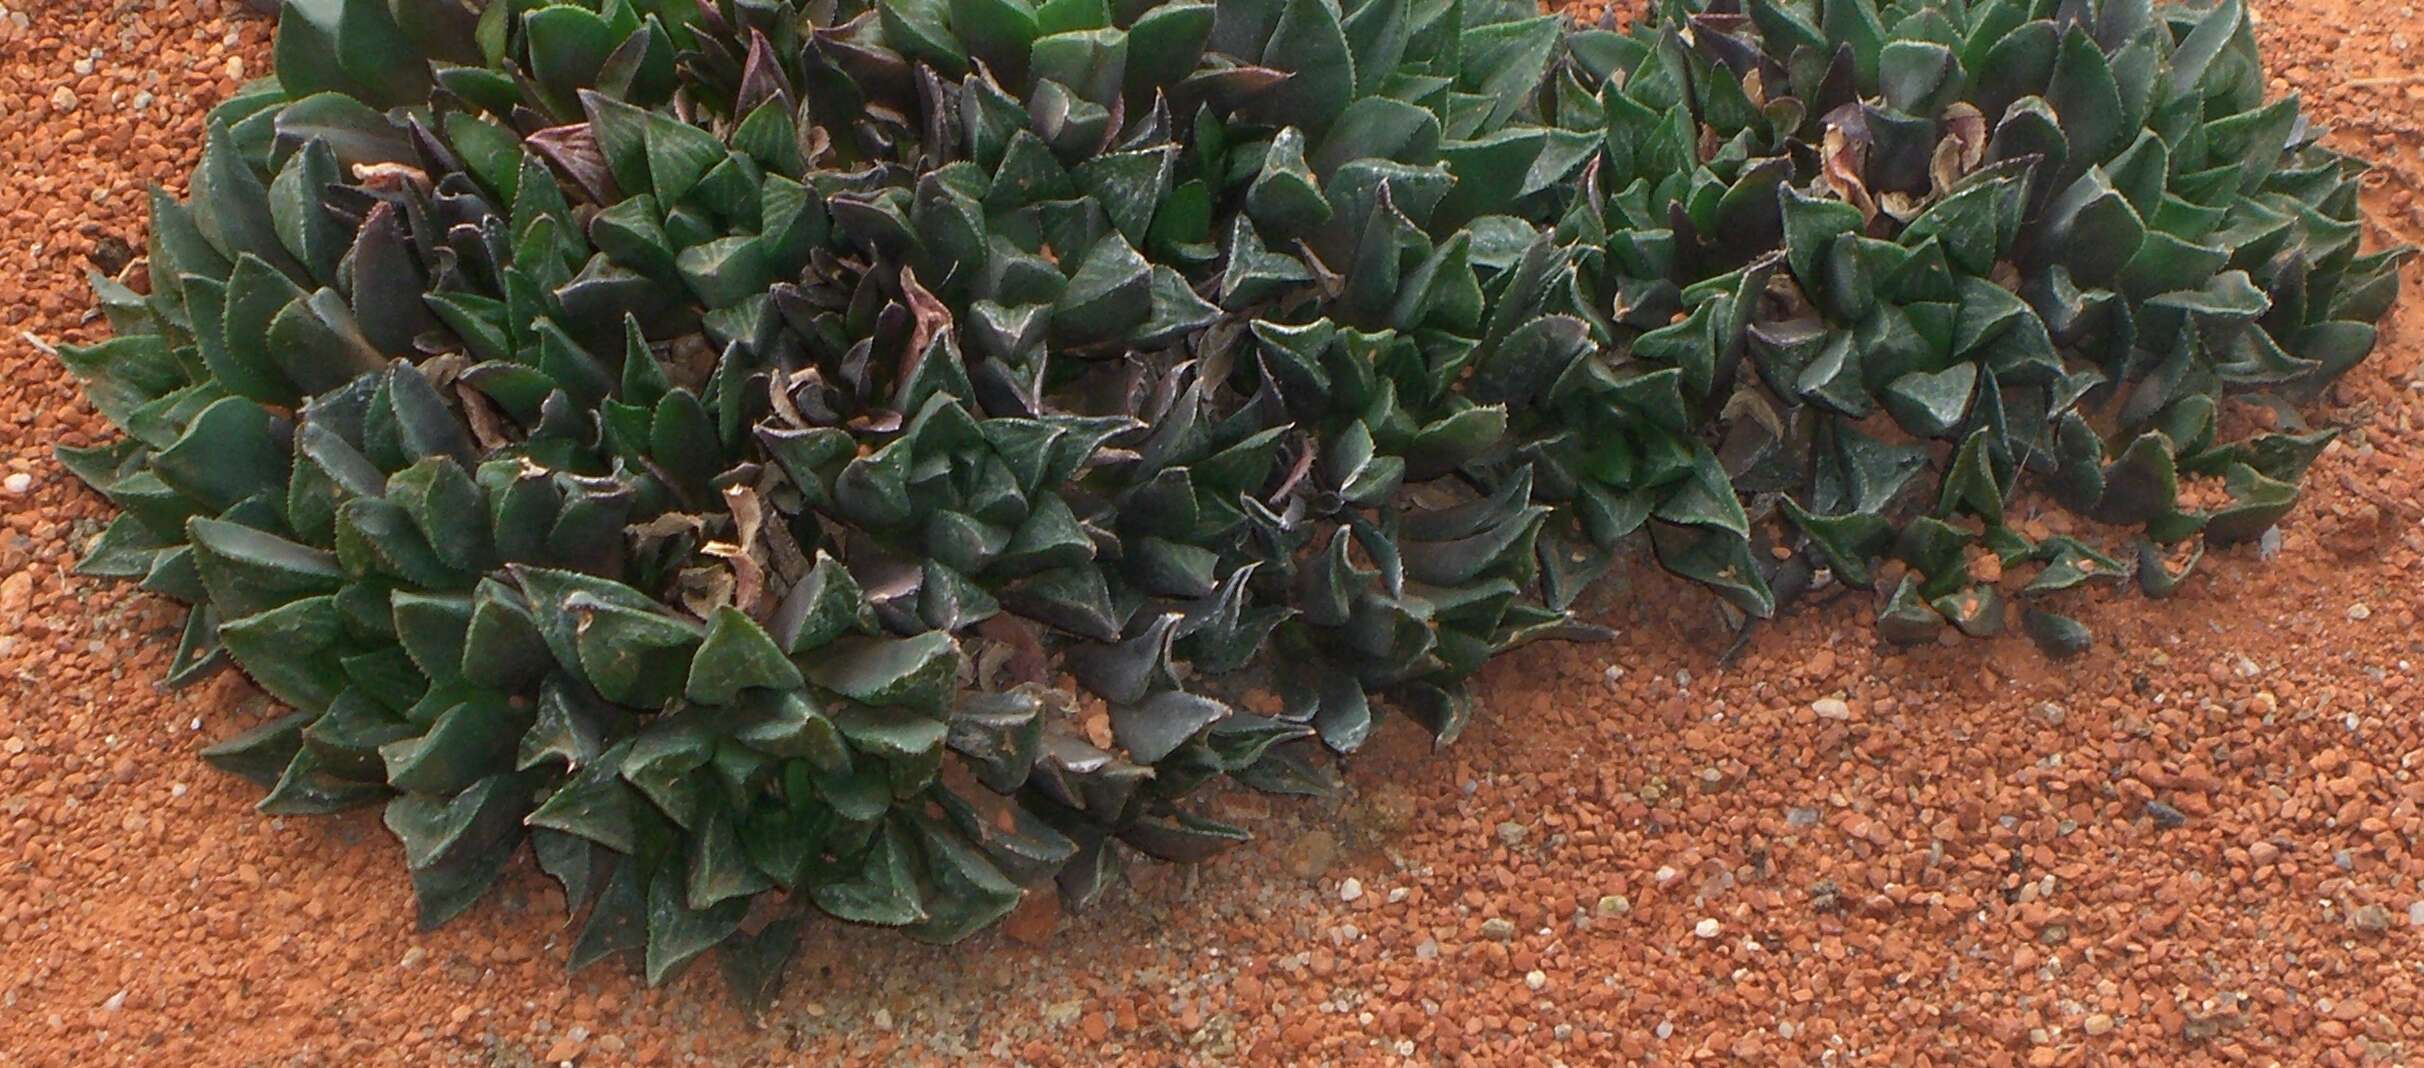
862	455
1847	251
689	440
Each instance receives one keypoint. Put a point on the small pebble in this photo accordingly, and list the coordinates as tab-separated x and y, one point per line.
2358	611
1497	929
1618	905
1350	890
16	484
1535	979
1707	928
1831	708
2164	815
2098	1024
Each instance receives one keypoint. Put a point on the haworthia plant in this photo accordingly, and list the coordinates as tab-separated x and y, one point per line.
691	438
1897	257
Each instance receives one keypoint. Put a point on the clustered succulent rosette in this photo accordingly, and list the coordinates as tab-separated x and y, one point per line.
1901	255
689	439
731	446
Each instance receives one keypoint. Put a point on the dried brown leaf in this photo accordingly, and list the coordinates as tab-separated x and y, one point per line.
1841	159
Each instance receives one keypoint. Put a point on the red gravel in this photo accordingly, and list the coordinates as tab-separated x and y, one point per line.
2194	844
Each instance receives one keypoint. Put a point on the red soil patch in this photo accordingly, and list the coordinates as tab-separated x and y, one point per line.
2194	844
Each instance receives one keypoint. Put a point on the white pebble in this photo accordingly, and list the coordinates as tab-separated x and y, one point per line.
116	1001
2415	914
17	483
1707	928
1350	890
63	99
2359	611
1397	894
1666	874
1536	979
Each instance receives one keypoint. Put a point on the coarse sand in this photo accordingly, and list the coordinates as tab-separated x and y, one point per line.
2194	844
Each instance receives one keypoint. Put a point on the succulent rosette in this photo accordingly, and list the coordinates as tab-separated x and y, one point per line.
1895	258
690	440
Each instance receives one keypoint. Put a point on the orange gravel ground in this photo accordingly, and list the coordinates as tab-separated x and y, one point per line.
1827	852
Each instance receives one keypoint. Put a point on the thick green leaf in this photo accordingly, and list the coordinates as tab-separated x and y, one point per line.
736	655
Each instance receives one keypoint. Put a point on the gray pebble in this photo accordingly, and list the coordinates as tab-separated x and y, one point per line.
2164	815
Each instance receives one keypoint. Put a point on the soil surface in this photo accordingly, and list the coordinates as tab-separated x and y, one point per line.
2196	843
